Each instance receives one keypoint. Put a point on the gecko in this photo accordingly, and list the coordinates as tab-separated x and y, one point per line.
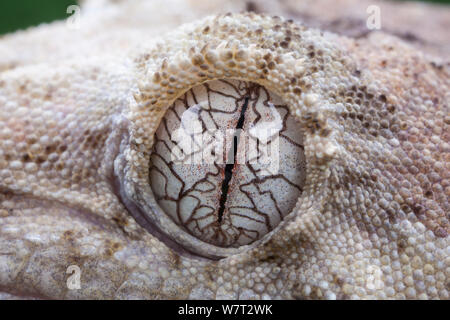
79	108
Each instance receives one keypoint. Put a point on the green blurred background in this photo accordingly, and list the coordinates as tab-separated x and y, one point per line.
19	14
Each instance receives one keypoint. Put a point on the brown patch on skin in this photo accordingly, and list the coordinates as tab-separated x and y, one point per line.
429	194
68	235
402	244
296	291
50	149
438	67
4	213
109	252
41	159
156	77
197	60
30	140
22	88
325	132
76	178
75	259
338	280
226	55
270	258
85	173
261	65
49	94
120	221
111	247
313	125
176	260
241	55
251	6
26	158
440	232
391	108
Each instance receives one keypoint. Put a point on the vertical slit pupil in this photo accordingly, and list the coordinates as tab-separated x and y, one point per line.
230	166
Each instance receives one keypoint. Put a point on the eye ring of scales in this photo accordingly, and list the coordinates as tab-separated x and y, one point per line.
372	221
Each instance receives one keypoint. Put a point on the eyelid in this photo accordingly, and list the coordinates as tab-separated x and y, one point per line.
175	66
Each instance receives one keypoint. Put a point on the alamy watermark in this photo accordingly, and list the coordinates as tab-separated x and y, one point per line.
74	280
73	22
373	22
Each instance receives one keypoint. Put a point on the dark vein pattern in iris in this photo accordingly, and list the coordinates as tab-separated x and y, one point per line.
228	164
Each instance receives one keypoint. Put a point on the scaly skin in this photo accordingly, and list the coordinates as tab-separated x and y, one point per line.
75	141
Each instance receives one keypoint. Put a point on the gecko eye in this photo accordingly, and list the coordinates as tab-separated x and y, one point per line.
227	163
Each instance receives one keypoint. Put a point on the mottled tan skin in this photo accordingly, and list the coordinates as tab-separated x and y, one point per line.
76	133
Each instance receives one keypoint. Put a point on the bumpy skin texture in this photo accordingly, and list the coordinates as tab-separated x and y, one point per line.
75	142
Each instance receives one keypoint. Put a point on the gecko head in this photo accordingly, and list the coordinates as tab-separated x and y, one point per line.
156	175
